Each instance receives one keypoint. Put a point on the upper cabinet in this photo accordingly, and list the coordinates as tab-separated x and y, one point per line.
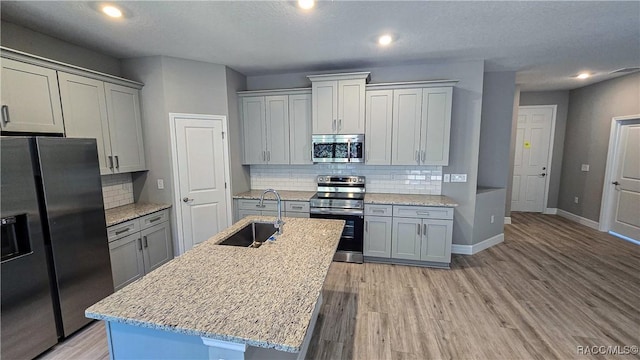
276	126
409	123
45	96
108	113
30	100
338	103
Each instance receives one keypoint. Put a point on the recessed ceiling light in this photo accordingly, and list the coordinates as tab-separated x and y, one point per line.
583	75
385	40
112	11
306	4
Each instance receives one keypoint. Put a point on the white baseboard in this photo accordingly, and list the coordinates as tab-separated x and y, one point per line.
507	220
579	219
476	248
550	211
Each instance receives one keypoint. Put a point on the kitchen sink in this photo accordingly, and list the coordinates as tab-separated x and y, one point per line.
251	235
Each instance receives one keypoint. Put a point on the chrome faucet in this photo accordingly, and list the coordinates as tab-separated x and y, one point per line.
278	224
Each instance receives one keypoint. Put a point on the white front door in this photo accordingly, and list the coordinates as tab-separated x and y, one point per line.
533	137
625	217
201	167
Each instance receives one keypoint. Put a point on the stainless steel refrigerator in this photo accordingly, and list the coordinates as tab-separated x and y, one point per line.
55	253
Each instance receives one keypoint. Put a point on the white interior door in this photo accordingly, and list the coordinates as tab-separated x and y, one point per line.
530	170
201	166
625	217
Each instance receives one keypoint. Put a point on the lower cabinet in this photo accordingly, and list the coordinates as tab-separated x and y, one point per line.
297	209
139	246
418	234
248	207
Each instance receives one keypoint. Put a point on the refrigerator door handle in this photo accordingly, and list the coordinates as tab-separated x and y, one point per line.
5	114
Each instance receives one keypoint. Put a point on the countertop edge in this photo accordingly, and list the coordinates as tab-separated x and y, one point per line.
136	214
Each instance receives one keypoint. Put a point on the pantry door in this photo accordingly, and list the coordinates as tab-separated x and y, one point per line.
203	199
531	164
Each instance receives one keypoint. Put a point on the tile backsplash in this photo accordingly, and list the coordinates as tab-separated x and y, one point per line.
117	190
380	179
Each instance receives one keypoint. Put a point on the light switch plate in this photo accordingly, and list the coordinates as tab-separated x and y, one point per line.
160	184
584	167
458	177
445	178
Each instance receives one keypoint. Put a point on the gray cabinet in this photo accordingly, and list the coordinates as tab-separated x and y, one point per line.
299	209
379	115
108	113
248	207
30	98
377	236
139	246
276	127
338	103
406	238
421	126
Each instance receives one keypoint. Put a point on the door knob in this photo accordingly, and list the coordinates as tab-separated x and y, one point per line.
186	199
615	183
543	174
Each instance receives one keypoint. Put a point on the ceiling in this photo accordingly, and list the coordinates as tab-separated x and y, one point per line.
545	42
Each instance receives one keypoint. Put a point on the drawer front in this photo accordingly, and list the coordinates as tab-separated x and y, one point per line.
247	204
296	206
121	230
423	212
378	210
157	217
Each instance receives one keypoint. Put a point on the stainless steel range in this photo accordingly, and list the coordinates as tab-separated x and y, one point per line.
342	197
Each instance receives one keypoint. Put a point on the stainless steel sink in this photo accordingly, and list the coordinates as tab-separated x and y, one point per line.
251	235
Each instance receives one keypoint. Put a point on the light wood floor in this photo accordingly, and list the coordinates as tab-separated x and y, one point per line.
552	286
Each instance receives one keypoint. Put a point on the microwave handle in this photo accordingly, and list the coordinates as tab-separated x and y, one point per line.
349	150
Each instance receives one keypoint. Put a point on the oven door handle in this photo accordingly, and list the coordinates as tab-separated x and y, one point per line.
352	212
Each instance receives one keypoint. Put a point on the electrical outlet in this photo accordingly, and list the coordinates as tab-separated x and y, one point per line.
576	200
446	178
160	184
458	177
584	167
493	218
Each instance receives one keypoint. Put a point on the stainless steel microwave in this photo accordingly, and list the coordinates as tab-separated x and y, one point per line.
338	148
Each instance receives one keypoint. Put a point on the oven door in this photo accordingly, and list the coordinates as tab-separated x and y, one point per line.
351	241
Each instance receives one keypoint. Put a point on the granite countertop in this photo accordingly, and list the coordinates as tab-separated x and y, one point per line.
409	199
124	213
261	297
284	195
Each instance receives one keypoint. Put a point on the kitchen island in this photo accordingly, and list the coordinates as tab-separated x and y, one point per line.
226	302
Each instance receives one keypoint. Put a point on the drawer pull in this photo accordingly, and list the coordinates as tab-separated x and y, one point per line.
377	210
155	219
423	213
261	206
122	231
296	207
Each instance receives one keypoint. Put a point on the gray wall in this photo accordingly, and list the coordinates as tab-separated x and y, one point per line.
561	99
240	174
591	109
512	150
495	130
489	203
172	86
26	40
465	123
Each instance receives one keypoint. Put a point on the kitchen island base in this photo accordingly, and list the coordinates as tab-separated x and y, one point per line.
135	342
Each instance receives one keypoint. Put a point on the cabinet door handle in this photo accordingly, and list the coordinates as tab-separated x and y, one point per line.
117	162
264	155
110	161
146	243
366	226
424	155
339	124
424	232
139	244
122	231
418	229
367	158
418	156
268	155
5	114
333	126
